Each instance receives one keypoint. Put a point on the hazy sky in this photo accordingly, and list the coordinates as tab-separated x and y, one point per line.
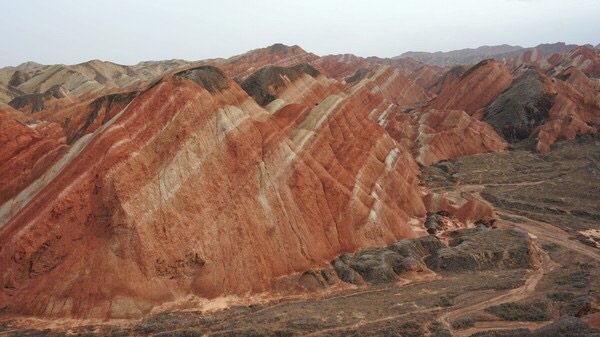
128	31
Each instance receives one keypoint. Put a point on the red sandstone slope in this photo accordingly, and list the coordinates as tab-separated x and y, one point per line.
437	135
341	66
475	88
26	152
350	67
576	109
193	187
241	66
546	109
584	58
173	194
448	134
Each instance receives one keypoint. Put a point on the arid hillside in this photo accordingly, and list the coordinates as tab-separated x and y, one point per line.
279	192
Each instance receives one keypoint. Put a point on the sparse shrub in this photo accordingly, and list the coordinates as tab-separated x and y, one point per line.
578	279
463	323
550	246
411	329
578	306
437	329
560	296
180	333
283	333
530	312
446	301
242	333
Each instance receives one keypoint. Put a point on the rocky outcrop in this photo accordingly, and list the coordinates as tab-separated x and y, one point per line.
483	249
465	210
19	77
474	249
358	75
386	265
448	79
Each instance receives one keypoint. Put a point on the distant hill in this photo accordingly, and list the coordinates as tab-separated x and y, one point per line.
472	56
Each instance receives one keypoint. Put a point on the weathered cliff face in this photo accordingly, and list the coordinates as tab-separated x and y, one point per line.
194	188
475	88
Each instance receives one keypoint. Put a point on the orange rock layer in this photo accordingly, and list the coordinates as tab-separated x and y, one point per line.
189	186
475	88
199	191
26	152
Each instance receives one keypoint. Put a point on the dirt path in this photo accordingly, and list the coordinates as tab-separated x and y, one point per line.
538	229
541	230
551	233
517	294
